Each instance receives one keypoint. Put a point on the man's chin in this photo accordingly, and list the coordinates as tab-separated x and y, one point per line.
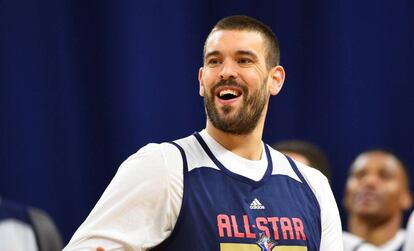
369	211
228	115
227	111
376	218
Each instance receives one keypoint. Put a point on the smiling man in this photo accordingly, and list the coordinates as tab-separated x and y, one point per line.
221	188
376	195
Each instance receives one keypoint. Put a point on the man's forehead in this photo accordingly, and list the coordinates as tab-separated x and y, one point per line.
234	39
376	160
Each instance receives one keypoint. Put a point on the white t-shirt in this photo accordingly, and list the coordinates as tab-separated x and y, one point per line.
355	243
139	208
16	235
409	245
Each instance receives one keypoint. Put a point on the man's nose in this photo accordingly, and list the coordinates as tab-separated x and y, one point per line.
371	180
228	70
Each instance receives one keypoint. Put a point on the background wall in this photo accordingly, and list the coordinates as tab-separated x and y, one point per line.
84	84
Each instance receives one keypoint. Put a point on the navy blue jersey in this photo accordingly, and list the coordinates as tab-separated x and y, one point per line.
224	211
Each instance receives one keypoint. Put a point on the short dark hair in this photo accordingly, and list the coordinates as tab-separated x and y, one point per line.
316	157
245	23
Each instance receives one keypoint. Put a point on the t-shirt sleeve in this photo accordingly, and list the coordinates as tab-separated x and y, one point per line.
139	207
409	245
331	236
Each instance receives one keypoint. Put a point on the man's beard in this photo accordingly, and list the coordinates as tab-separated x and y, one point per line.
244	120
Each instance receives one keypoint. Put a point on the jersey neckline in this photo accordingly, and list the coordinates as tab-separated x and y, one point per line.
239	177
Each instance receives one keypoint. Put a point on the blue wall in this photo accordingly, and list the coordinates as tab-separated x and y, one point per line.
84	84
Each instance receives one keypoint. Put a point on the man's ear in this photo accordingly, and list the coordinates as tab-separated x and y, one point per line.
277	78
406	200
200	81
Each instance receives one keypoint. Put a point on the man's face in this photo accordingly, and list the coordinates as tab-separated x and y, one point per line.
376	187
234	80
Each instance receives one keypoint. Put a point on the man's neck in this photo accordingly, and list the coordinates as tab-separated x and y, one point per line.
248	146
375	233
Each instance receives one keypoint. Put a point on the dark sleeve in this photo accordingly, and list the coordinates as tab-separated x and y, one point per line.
47	235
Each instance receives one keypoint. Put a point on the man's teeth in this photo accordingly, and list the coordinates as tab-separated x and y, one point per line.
226	92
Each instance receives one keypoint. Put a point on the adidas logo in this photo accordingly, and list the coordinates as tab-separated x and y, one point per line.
256	204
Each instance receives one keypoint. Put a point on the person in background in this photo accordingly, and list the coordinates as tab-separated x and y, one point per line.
305	152
27	229
376	196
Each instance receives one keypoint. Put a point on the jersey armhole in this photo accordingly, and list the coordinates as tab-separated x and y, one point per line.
164	244
308	189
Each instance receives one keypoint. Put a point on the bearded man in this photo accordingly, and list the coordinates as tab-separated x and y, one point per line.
221	188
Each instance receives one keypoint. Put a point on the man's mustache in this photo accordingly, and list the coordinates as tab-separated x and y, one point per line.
229	82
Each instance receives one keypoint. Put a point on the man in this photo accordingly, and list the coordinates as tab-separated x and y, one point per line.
305	152
222	188
376	194
409	245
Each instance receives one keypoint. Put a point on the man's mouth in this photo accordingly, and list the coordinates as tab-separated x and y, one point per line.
367	197
228	93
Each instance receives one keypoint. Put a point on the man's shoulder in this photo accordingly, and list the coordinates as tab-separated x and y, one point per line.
158	148
317	182
158	154
351	241
310	174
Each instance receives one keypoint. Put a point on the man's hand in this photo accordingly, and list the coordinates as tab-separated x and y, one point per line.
100	249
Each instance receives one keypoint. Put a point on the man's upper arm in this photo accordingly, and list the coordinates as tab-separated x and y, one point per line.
134	212
331	236
331	221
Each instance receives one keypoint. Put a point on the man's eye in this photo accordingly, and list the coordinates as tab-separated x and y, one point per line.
386	175
245	61
213	61
358	175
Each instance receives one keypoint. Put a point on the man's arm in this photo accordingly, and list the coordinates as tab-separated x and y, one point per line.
331	221
138	209
331	236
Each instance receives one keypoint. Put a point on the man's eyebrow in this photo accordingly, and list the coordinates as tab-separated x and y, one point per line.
247	53
238	53
211	53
